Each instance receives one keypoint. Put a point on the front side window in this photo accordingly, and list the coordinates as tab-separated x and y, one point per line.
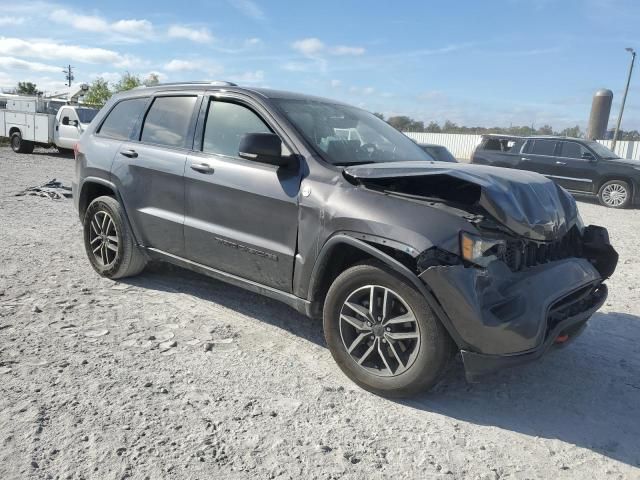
226	124
122	118
167	122
543	147
572	150
345	135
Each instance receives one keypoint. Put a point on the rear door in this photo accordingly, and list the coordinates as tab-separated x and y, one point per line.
538	155
150	169
241	216
571	170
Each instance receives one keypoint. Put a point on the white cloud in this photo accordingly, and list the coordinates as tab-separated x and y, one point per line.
256	76
249	8
336	83
200	35
18	64
308	46
50	50
94	23
10	21
346	50
176	65
253	42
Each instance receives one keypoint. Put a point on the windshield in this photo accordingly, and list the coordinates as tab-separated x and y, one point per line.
345	135
85	115
441	154
601	150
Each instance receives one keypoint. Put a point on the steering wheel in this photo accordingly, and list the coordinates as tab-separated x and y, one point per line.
369	148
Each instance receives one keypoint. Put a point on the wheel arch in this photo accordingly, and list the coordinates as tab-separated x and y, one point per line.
13	130
342	251
93	188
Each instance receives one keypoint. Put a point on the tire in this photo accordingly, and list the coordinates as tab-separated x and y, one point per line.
105	229
19	145
402	372
65	151
615	194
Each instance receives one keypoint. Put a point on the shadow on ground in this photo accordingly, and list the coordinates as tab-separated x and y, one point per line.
587	394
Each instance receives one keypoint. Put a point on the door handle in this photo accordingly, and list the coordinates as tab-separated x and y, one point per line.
202	168
129	153
524	159
560	163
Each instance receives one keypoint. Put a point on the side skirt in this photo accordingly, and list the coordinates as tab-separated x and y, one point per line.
297	303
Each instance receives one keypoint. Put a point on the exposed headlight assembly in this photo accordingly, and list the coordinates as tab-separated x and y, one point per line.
480	250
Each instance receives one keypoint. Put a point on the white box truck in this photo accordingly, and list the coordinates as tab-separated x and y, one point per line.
29	121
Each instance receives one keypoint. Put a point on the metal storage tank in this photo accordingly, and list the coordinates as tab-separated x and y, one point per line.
600	110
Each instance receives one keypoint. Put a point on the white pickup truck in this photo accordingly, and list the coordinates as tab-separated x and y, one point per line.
30	121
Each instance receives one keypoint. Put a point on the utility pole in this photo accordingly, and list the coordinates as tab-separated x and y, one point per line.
68	73
624	98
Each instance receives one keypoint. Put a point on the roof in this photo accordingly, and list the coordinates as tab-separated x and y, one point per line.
533	137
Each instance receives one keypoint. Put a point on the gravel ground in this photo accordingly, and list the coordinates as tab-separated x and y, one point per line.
172	375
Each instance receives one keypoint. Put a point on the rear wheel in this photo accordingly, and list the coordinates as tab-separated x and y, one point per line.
615	194
20	145
382	333
108	241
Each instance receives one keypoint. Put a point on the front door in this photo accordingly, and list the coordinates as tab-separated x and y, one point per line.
572	171
538	156
241	216
67	128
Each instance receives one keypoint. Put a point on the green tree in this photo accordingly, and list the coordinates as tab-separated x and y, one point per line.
151	80
379	115
98	93
127	82
574	132
433	127
545	130
27	88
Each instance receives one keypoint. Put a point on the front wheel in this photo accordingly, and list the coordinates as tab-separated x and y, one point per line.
108	242
615	194
382	333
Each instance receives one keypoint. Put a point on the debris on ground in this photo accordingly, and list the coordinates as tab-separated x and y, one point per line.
52	189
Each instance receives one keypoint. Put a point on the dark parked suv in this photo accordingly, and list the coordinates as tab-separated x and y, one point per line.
581	166
406	260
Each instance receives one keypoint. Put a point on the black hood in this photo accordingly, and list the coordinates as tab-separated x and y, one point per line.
527	203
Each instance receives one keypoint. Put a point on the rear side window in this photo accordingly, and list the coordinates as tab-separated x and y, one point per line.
226	124
543	147
167	122
572	150
122	118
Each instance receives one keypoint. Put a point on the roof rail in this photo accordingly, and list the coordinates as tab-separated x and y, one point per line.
217	83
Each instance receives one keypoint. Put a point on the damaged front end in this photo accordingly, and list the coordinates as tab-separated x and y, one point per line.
526	275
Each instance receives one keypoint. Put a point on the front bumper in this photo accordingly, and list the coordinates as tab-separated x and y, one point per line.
501	318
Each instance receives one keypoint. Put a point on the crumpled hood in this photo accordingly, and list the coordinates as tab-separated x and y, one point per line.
527	203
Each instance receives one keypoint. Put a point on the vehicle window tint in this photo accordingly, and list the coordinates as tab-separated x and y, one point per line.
168	121
572	150
492	144
543	147
226	124
121	120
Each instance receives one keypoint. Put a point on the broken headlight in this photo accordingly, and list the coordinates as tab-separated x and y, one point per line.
480	250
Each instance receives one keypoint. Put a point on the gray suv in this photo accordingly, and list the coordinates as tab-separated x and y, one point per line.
329	209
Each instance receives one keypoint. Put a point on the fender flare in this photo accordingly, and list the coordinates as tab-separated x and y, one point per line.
341	238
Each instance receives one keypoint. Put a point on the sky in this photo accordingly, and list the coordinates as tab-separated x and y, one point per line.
476	63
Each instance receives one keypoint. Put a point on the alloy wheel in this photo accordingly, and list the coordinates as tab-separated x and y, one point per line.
103	238
614	195
379	330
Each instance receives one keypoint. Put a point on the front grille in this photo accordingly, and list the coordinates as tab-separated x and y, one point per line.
520	254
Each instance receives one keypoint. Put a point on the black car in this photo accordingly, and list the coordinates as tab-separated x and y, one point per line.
581	166
331	210
438	152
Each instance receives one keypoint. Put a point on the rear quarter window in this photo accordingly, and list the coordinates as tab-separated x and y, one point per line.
122	118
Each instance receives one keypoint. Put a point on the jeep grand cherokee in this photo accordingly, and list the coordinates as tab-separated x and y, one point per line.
329	209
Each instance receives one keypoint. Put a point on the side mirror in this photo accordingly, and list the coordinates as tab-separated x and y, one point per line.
75	123
65	120
263	148
588	156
